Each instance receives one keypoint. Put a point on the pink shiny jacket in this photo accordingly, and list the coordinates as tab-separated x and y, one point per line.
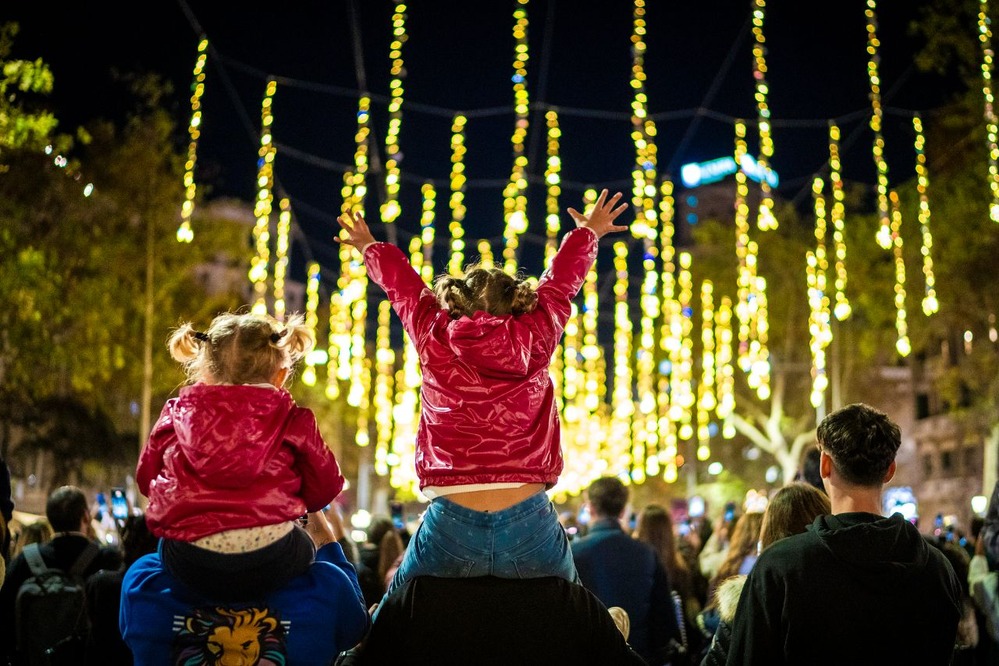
488	411
223	457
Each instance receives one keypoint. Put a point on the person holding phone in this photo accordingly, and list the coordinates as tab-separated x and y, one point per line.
119	506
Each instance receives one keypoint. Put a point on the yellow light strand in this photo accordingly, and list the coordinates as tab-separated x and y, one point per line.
646	367
311	318
668	342
281	257
759	353
643	134
456	262
766	219
338	364
902	344
815	346
991	123
390	209
623	454
724	370
819	326
842	307
265	196
486	258
553	186
514	194
384	369
184	233
878	149
427	217
746	273
930	304
706	397
682	358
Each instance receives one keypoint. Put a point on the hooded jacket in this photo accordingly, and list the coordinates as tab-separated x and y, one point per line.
488	411
854	588
224	457
307	622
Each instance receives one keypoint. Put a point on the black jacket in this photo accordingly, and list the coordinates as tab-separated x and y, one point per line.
490	621
854	588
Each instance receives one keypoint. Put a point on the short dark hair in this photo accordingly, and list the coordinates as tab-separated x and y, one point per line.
65	508
608	496
862	442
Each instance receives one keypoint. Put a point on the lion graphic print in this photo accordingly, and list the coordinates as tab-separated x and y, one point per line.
218	636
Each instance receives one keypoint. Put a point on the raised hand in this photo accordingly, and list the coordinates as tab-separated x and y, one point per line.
358	234
602	216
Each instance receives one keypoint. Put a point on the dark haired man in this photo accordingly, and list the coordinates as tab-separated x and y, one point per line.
68	512
622	571
856	587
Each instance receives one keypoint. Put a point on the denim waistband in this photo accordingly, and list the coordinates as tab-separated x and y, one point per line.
536	502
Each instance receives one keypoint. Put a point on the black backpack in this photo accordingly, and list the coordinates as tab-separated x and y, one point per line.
51	621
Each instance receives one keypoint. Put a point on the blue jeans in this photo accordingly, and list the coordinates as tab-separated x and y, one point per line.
525	540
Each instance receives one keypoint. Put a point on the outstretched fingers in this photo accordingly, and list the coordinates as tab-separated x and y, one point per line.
354	225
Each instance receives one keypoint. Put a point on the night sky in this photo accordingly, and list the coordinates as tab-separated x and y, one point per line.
458	57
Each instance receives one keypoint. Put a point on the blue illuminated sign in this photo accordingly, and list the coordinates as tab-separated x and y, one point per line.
694	174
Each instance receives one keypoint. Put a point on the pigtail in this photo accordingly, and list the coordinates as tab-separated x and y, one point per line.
525	298
296	339
187	347
183	344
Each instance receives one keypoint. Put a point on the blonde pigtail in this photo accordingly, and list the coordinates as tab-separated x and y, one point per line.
296	338
183	345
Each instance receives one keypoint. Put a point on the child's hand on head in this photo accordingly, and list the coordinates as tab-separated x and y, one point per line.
358	234
602	216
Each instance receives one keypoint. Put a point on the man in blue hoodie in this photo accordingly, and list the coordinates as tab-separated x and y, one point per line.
856	587
306	622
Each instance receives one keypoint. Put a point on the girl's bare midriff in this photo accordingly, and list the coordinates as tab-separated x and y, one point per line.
496	499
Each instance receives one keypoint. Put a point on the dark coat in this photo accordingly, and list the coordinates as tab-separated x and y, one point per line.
622	571
489	621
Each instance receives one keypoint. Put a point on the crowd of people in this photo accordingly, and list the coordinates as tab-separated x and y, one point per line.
645	595
241	556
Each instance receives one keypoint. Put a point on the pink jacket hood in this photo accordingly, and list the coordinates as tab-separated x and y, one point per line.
496	346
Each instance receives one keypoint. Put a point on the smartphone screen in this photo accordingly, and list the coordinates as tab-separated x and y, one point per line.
397	518
119	504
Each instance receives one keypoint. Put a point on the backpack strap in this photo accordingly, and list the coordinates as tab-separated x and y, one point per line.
34	559
84	559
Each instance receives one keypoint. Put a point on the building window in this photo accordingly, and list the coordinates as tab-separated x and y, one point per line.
922	405
946	462
928	465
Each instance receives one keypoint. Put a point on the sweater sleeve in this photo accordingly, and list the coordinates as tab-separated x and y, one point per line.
411	298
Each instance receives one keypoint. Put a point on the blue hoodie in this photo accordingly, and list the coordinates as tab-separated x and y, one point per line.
308	622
